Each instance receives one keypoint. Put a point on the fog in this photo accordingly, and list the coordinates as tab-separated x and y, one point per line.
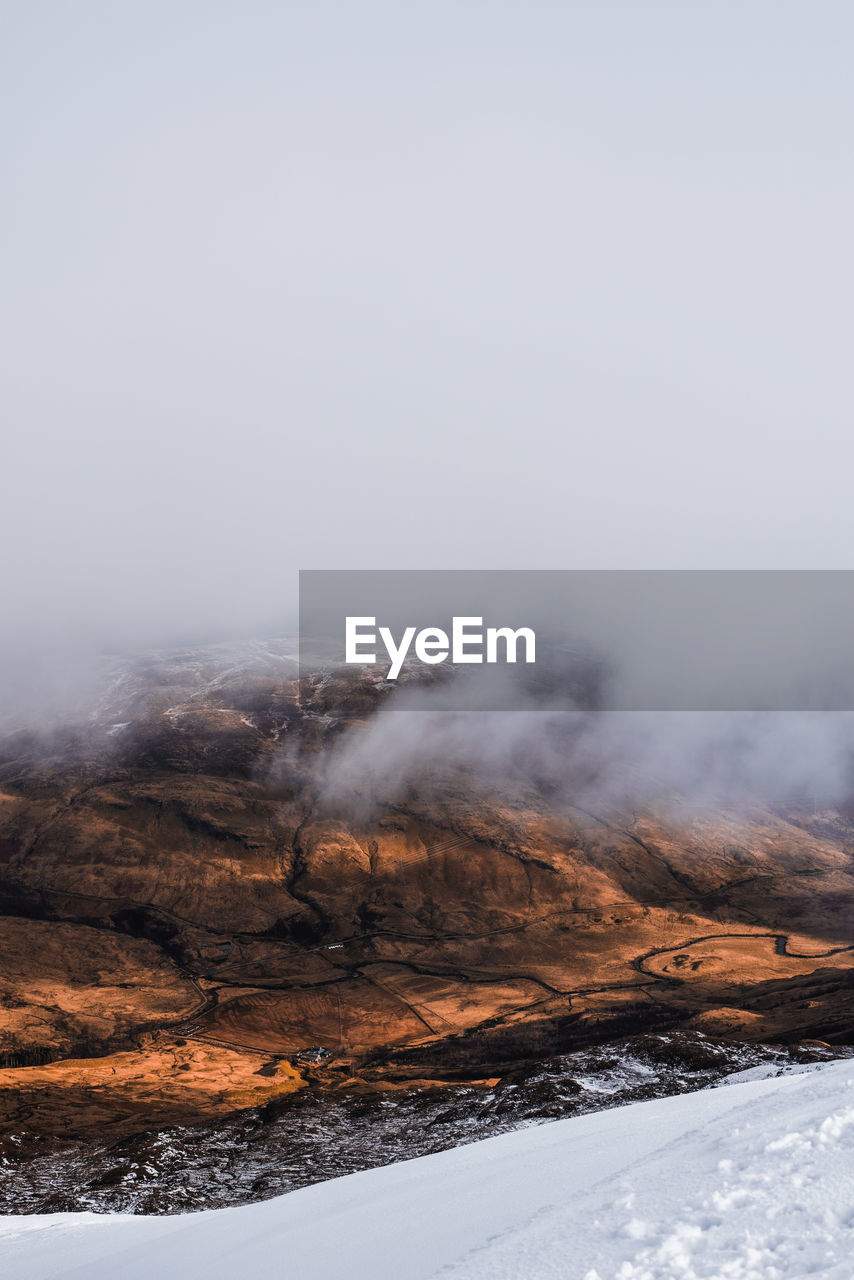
363	285
685	762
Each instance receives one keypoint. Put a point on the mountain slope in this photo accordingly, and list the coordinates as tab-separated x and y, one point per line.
749	1180
190	904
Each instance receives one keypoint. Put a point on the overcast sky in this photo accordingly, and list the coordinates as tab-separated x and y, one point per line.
366	285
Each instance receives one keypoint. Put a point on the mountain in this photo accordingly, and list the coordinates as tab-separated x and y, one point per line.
197	921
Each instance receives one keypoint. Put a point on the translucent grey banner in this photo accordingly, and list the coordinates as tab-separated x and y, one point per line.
598	640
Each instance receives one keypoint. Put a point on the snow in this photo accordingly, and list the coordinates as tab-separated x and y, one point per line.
752	1181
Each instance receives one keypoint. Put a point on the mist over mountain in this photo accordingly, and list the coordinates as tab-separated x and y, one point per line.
338	287
231	886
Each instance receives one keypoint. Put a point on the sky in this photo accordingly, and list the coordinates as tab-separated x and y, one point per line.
434	285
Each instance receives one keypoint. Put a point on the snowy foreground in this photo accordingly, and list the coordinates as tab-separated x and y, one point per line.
753	1180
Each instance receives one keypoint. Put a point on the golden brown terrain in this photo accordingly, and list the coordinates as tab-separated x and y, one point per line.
184	913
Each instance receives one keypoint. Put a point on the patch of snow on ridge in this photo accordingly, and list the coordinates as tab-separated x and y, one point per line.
764	1070
754	1181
